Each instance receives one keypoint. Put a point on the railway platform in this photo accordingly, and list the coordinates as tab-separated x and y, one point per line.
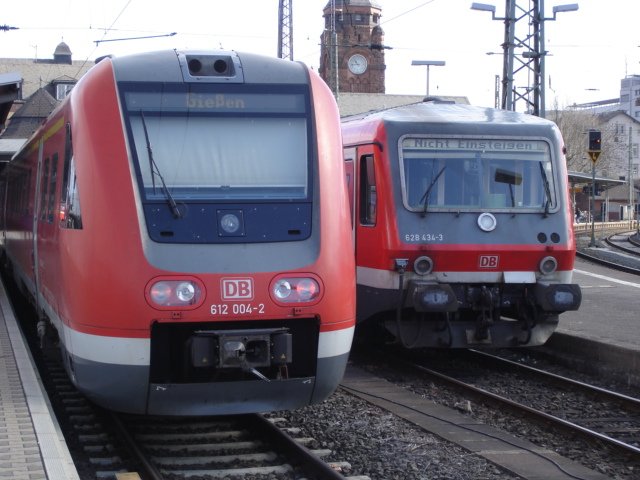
606	327
32	446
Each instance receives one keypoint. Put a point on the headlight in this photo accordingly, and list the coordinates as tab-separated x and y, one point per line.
295	289
548	265
171	293
230	223
487	222
282	289
186	291
423	265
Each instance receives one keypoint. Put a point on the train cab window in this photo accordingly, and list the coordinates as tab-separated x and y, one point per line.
221	146
70	214
368	191
219	163
476	174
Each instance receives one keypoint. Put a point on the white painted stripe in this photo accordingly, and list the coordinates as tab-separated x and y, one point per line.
103	349
135	351
610	279
336	342
388	279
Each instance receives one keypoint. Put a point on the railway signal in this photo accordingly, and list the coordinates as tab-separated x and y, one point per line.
594	149
595	144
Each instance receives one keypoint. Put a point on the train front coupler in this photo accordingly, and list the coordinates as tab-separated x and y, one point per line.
243	349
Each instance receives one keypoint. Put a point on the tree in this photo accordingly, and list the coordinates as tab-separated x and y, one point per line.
575	125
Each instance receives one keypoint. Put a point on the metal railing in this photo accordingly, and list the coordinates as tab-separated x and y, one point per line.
604	226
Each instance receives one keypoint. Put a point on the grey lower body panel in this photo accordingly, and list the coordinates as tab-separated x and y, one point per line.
467	334
510	319
126	388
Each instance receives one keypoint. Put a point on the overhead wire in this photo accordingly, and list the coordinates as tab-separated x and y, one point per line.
106	31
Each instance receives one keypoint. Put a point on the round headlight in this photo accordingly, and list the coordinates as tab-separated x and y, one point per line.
230	223
487	222
306	289
423	265
548	265
160	293
282	289
185	291
175	293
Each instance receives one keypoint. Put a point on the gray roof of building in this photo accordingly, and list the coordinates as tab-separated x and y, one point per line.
38	74
9	146
30	115
356	103
62	49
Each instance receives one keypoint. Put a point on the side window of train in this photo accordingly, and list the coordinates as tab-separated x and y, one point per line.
53	178
18	196
70	213
368	191
44	185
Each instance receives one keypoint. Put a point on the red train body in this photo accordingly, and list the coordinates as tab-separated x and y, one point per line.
177	220
463	226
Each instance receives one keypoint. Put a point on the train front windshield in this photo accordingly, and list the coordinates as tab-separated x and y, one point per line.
219	143
472	174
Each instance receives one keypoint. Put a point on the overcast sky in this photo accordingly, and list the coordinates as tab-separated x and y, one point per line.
589	51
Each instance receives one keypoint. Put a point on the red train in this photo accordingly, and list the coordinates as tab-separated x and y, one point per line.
178	222
463	226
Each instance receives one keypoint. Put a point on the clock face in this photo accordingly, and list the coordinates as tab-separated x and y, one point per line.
357	64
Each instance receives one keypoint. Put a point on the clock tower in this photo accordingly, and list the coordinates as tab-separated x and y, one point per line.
353	56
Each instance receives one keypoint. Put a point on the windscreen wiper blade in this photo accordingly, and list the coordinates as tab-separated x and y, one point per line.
425	198
153	167
547	190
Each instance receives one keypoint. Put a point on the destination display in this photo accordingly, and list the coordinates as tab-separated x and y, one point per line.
216	102
466	144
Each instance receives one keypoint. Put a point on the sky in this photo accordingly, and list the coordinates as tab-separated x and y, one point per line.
589	50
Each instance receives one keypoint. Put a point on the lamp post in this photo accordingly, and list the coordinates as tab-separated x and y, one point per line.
428	63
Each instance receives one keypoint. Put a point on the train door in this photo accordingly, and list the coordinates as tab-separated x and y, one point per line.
367	241
46	245
34	226
349	167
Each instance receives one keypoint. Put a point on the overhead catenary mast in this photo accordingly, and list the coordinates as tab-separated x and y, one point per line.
523	77
285	29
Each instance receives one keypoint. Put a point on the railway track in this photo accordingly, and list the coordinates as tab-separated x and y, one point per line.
105	445
594	413
627	242
222	447
622	252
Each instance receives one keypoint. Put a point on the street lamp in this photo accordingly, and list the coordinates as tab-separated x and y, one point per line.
532	59
429	63
484	7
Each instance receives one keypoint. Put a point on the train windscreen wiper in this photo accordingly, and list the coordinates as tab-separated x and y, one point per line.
511	179
547	190
153	167
425	198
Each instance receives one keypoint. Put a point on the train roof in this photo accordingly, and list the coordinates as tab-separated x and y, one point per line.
177	66
445	112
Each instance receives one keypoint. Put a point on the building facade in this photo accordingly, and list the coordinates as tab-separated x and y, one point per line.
630	95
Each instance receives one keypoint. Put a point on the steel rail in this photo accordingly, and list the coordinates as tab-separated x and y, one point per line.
624	447
631	402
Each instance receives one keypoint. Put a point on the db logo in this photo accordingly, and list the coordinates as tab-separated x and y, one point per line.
488	261
237	288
